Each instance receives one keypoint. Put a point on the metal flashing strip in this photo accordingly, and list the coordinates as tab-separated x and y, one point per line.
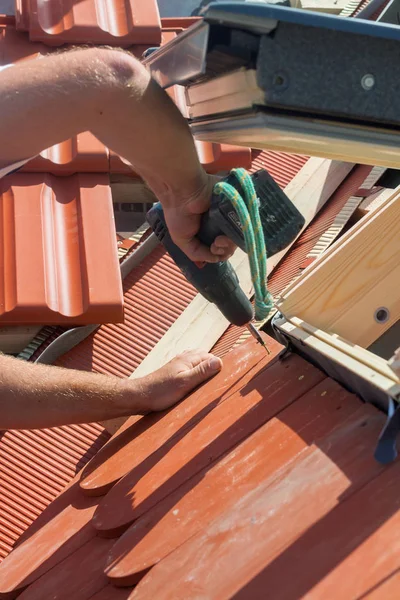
186	58
370	367
315	137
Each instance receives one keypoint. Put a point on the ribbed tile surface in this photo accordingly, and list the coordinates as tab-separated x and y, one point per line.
115	22
156	293
281	166
35	466
58	261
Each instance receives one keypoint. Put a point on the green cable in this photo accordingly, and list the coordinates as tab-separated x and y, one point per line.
248	211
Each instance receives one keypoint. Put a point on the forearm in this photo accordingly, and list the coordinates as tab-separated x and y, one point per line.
37	396
110	93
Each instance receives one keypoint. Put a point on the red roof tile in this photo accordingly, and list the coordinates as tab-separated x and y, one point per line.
155	294
15	46
22	10
254	546
232	421
266	487
176	22
35	467
111	464
81	154
84	153
204	497
115	22
59	257
281	166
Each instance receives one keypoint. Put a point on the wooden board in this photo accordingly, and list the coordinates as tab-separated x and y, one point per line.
377	371
374	201
333	7
342	291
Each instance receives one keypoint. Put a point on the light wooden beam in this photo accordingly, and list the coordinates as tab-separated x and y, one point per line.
333	7
352	289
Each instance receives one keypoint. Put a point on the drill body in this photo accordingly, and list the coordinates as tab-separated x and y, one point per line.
218	282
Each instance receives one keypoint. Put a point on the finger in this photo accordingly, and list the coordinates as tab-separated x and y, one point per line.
223	246
222	241
222	253
196	251
204	370
196	356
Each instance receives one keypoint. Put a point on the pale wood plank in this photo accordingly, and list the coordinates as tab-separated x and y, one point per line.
341	291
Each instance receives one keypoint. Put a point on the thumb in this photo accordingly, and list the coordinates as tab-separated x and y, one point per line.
204	370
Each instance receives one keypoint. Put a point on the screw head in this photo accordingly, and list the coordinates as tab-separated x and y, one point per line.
382	315
368	82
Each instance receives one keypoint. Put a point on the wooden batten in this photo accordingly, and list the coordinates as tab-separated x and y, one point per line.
351	289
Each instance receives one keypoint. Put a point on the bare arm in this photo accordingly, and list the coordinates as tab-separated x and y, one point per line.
109	93
37	396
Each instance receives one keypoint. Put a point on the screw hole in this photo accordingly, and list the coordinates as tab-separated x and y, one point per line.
279	80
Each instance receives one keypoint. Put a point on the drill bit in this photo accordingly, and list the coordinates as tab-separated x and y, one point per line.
256	335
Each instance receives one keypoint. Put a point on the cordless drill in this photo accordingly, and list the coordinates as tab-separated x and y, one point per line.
218	282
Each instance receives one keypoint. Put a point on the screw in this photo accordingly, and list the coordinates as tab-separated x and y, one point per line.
382	315
368	82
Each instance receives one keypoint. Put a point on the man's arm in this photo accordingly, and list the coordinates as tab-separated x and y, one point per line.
37	396
109	93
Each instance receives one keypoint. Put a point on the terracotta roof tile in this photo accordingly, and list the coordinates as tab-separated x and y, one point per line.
178	517
115	22
59	257
14	46
22	10
35	467
155	294
80	154
253	546
176	22
266	487
281	166
202	443
80	575
137	441
353	551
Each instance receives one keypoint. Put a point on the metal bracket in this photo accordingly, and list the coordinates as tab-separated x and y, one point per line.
386	450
